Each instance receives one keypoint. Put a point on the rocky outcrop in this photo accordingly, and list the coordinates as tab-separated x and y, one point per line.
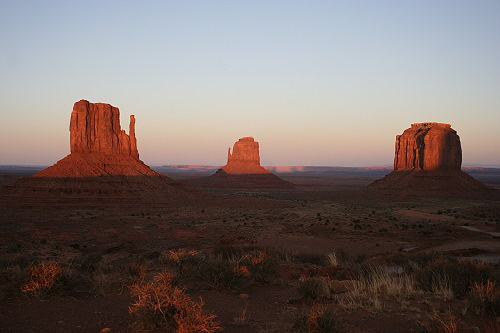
104	161
428	146
427	160
243	170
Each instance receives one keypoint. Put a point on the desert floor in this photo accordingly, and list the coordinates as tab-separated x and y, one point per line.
263	261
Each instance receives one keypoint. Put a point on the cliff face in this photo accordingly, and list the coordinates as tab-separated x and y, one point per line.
95	128
428	146
245	158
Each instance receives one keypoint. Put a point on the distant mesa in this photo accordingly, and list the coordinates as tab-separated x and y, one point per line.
104	160
243	170
428	159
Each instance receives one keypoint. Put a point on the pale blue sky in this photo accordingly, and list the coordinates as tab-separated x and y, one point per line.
315	82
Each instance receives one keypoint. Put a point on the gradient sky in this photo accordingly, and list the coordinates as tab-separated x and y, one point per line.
315	82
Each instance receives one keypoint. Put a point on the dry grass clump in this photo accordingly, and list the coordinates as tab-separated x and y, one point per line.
332	259
452	276
320	319
160	304
441	323
316	288
371	290
43	278
484	297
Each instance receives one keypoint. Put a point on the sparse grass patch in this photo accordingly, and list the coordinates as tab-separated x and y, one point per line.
371	290
457	275
237	269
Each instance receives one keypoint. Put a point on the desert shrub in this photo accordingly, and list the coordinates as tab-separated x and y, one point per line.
484	297
316	288
160	304
460	275
43	278
320	320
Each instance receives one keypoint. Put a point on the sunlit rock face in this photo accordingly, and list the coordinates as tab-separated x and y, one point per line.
427	161
99	147
95	128
428	146
245	158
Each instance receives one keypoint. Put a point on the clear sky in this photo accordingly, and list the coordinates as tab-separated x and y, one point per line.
315	82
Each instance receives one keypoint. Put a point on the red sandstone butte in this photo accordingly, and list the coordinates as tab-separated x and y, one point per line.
245	158
96	128
428	146
243	170
104	162
428	159
99	147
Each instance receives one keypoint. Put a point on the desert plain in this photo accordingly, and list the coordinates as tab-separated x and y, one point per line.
328	255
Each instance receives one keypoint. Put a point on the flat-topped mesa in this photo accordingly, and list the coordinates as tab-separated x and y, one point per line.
95	128
428	146
245	158
428	161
